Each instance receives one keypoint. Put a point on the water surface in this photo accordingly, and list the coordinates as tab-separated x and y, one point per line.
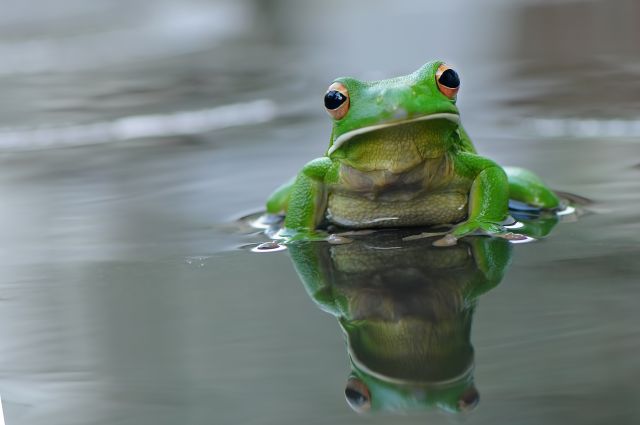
129	293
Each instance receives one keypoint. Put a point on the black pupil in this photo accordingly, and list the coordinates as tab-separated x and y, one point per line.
333	99
356	398
450	79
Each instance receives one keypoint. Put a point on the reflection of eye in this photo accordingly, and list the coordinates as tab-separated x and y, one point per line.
336	100
448	81
468	399
358	395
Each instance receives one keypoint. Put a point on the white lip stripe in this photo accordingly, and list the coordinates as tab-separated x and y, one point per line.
346	136
443	383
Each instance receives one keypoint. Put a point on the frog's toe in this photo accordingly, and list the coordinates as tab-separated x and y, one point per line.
510	236
446	240
477	227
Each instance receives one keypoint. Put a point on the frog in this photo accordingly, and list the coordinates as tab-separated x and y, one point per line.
405	309
398	156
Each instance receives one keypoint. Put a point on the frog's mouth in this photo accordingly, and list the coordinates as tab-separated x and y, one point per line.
344	138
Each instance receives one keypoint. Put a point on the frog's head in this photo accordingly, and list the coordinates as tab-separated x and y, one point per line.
414	114
411	364
367	393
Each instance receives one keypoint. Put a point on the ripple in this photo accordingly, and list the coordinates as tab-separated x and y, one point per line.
139	126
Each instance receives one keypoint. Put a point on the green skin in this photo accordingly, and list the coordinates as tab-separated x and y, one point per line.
399	157
406	314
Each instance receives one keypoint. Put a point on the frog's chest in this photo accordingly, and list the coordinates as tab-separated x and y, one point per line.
425	195
425	210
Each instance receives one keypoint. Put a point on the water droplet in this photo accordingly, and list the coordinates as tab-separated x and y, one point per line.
338	240
516	225
271	246
197	260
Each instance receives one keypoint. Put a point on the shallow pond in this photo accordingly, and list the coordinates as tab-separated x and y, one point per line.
129	291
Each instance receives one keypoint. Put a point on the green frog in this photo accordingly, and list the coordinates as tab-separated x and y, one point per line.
399	156
406	310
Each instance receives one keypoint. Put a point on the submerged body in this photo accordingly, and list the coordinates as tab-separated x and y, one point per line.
399	157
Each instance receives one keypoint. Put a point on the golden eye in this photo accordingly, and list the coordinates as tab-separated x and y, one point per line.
358	395
448	81
336	100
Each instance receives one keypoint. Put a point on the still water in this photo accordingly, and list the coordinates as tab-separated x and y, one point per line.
132	144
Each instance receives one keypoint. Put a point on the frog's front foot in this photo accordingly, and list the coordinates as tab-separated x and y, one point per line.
477	227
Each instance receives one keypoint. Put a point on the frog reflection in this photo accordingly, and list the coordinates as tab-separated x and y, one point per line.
406	309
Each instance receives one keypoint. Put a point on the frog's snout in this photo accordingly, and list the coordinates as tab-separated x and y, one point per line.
400	113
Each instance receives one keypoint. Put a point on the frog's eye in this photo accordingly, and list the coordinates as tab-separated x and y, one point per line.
358	395
336	100
468	400
448	81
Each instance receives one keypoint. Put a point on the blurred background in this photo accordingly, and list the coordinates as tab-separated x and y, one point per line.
135	134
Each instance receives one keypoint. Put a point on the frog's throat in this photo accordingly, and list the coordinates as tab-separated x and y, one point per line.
344	138
466	374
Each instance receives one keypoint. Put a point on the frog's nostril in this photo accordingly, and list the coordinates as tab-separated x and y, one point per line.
400	114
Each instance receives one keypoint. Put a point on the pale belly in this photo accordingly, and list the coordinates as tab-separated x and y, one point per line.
428	209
